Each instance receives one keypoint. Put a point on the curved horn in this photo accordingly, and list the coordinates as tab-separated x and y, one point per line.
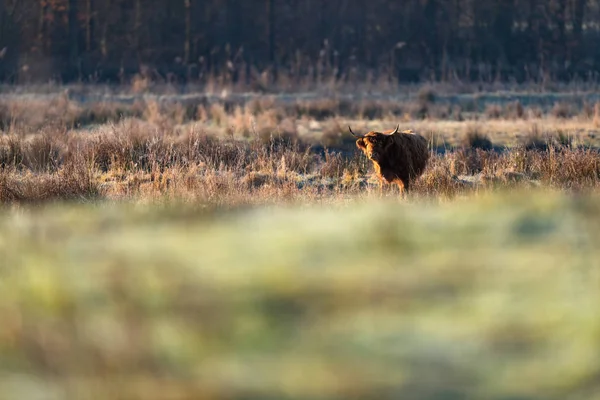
396	130
354	134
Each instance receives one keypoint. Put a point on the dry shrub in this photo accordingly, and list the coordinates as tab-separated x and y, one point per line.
326	108
217	114
515	110
375	109
568	168
562	167
281	159
9	190
493	111
255	179
59	112
332	135
242	122
457	113
140	83
106	152
562	110
475	139
261	105
279	137
165	116
265	124
5	116
535	112
464	162
542	141
587	110
105	112
336	135
298	161
560	139
218	183
74	181
322	108
519	159
426	95
11	151
334	165
470	105
128	146
438	179
43	153
419	110
473	161
534	139
436	141
369	110
441	112
218	153
580	167
597	115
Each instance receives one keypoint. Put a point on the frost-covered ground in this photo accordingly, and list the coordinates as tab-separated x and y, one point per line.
191	93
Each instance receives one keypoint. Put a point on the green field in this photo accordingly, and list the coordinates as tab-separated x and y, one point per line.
494	296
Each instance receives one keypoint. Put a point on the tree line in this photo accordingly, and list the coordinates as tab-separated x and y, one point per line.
189	40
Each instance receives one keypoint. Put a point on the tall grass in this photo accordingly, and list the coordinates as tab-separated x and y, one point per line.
255	158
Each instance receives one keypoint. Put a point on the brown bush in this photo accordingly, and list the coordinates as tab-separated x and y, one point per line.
493	111
562	110
475	139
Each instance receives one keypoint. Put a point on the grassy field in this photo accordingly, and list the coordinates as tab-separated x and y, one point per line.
238	247
270	150
491	297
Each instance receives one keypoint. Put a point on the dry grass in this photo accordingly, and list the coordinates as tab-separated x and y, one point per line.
261	151
137	160
81	106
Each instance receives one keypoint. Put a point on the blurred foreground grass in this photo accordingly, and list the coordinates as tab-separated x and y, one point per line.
489	298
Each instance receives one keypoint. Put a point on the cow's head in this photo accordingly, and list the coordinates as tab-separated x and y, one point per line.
375	144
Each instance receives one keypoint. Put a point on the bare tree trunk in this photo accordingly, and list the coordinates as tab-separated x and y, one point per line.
362	42
3	23
578	13
73	37
560	18
10	40
137	25
89	25
271	30
432	45
188	31
42	34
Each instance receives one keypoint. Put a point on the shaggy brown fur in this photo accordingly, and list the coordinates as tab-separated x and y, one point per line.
398	157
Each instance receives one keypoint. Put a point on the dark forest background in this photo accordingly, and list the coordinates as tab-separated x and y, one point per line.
191	40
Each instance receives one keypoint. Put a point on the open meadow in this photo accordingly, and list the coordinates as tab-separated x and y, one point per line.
158	243
245	148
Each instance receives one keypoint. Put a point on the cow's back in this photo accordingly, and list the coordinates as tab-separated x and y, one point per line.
413	151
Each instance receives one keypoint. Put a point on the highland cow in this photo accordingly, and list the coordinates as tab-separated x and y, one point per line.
398	157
